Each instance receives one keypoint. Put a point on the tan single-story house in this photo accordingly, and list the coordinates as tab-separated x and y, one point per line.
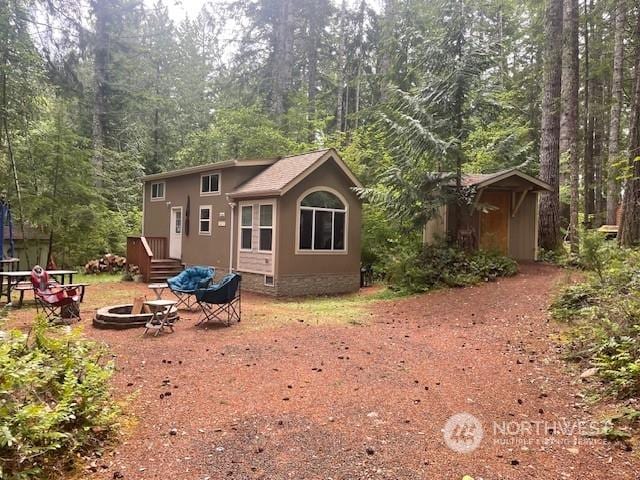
504	217
289	225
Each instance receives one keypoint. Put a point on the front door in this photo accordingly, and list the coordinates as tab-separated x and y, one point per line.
175	237
494	223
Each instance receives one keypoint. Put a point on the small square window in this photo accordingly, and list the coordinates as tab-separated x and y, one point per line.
157	191
269	281
210	184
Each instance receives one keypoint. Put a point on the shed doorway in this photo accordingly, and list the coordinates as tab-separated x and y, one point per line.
494	223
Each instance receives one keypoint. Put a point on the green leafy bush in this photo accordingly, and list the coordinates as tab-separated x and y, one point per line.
605	309
424	268
54	400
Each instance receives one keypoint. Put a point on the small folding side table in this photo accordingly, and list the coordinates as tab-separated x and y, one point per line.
160	310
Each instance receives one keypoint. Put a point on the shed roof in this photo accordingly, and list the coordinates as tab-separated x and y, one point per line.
483	180
288	171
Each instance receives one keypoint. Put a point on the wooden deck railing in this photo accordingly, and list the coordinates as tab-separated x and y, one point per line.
142	250
158	246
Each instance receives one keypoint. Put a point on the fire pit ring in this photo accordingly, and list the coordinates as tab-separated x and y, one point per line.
120	317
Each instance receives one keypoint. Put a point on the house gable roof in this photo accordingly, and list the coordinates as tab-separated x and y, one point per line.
287	172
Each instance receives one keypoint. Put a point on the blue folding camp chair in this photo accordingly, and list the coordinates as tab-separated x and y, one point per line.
185	284
221	301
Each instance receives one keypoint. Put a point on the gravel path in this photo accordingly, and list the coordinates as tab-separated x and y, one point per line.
364	401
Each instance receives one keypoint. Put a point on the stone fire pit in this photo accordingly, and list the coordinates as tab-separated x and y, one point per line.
120	317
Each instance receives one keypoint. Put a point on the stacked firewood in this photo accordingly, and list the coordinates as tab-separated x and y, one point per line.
108	263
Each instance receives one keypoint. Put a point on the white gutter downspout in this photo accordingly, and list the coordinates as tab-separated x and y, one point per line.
233	206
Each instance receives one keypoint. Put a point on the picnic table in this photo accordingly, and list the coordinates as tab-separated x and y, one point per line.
14	278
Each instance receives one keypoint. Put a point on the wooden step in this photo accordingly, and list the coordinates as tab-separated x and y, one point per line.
163	268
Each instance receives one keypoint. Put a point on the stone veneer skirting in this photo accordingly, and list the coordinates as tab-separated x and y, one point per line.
295	285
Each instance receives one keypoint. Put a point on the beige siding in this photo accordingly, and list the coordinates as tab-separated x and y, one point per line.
257	261
522	241
435	229
290	262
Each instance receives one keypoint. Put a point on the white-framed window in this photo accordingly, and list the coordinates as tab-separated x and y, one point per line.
268	281
266	227
246	227
322	223
204	220
210	184
157	191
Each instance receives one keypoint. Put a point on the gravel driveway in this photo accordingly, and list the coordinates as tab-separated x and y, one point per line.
364	401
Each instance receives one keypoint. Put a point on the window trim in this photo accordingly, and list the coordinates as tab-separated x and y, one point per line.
265	227
245	227
210	194
273	281
210	231
299	208
164	191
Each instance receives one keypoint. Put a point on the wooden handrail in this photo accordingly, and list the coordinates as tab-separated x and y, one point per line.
146	246
142	250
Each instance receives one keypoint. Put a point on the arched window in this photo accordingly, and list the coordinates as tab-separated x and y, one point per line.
323	219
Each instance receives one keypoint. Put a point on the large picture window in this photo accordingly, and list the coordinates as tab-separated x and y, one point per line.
322	222
246	230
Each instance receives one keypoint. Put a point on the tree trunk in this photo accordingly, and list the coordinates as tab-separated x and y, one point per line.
629	233
100	79
549	225
341	70
282	51
360	57
599	137
569	114
613	188
588	129
312	62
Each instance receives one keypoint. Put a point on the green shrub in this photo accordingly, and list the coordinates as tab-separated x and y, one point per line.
420	269
605	309
54	400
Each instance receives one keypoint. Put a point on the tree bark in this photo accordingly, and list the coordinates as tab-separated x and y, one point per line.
312	61
629	233
549	225
588	129
569	114
341	70
613	188
100	80
282	52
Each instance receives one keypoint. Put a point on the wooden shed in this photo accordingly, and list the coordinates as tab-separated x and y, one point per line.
505	217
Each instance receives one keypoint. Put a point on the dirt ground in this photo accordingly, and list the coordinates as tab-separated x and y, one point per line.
357	389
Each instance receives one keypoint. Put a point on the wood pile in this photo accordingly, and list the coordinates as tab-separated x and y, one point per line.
108	263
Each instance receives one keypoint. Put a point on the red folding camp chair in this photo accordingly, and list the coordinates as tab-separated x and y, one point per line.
57	302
